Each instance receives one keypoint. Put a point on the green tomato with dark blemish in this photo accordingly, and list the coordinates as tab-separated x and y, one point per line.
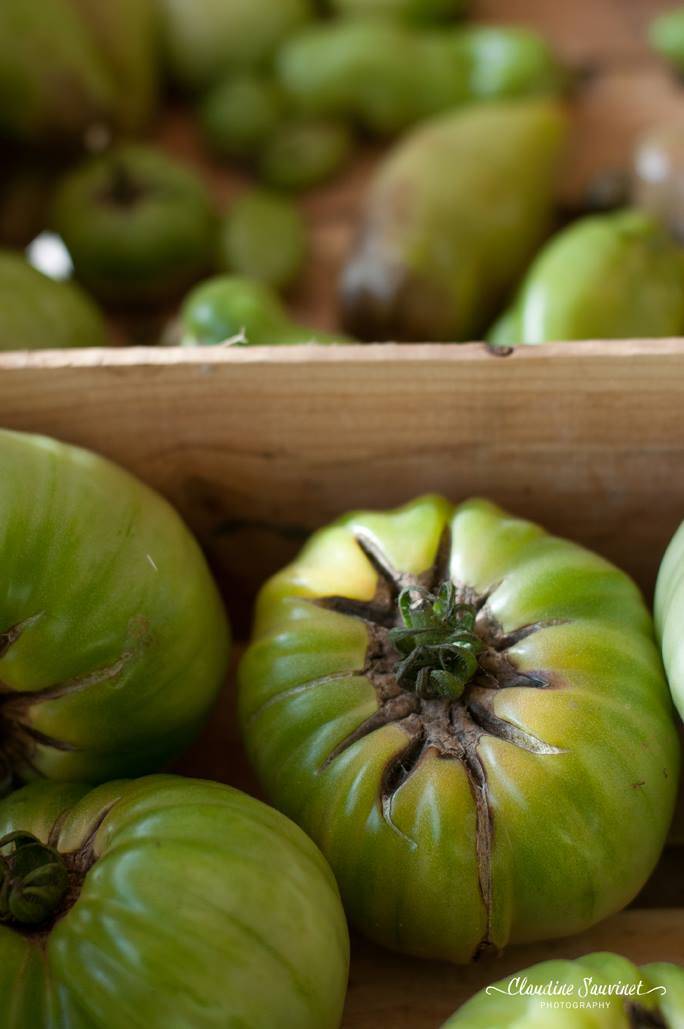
164	902
234	309
652	995
469	716
609	276
113	638
454	215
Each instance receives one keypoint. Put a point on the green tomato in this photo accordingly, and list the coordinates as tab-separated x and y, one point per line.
469	717
454	215
407	10
205	40
264	237
386	76
239	114
113	639
607	276
669	615
649	996
666	33
140	226
235	309
37	313
300	154
164	902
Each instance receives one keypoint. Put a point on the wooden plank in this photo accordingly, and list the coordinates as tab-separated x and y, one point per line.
388	990
259	446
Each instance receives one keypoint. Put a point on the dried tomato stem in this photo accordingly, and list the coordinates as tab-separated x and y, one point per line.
438	642
33	880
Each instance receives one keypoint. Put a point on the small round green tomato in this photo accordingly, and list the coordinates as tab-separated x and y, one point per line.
239	113
235	309
652	995
139	226
113	639
666	34
263	236
669	615
164	902
469	717
302	154
37	313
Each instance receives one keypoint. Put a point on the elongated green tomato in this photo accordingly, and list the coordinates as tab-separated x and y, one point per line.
669	615
242	311
113	639
453	217
386	76
610	276
597	991
469	717
164	902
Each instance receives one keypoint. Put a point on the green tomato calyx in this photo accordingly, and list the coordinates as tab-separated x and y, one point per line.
438	642
33	880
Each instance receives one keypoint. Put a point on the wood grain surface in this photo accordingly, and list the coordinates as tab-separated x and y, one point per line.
258	446
388	991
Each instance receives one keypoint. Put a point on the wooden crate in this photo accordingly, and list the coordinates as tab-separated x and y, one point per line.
257	447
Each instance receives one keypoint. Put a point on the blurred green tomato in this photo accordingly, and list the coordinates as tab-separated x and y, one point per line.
669	615
113	639
649	996
139	225
666	33
469	717
303	153
37	313
164	902
263	237
238	310
408	10
607	276
205	40
239	114
454	215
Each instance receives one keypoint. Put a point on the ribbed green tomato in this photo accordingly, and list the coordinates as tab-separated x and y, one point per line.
470	718
669	615
597	991
165	903
113	639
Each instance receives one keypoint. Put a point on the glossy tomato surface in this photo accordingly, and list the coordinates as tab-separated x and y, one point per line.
113	639
597	991
189	906
509	778
669	615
